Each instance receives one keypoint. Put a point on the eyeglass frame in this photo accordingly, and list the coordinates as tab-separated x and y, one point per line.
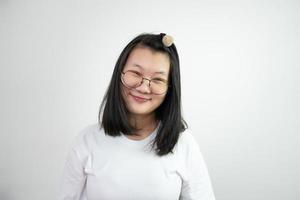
142	77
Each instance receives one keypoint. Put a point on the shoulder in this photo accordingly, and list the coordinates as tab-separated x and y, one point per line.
187	143
186	138
87	136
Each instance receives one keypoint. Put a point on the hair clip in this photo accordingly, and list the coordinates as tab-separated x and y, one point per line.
167	40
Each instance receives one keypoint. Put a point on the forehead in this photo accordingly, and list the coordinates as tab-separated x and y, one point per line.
148	60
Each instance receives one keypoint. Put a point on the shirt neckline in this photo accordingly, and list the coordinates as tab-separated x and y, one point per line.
141	142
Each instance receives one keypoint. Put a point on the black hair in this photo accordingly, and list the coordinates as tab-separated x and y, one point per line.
113	109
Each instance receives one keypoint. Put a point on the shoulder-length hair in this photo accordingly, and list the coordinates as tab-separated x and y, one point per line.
113	114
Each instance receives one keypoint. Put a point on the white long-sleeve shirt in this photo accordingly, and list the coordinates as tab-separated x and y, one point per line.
102	167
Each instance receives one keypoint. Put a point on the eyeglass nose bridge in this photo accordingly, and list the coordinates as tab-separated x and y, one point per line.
149	80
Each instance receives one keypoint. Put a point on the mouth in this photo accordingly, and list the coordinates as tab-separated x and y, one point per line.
139	99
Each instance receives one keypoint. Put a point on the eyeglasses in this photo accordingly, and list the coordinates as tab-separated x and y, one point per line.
132	79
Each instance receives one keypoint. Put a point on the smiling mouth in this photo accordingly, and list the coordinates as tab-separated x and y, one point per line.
139	99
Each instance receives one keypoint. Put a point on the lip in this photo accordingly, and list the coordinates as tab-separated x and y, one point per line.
139	99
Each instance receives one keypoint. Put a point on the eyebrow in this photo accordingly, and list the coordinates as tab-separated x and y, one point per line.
160	72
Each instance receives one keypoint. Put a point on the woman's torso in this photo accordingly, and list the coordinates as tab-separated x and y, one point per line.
121	168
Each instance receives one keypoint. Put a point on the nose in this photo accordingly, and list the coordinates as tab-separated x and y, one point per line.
144	86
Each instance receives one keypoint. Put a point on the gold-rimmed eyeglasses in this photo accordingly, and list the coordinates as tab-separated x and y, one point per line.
132	79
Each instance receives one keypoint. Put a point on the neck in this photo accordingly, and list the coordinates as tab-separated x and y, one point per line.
145	125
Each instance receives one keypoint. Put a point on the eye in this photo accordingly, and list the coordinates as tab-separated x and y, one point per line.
159	80
135	73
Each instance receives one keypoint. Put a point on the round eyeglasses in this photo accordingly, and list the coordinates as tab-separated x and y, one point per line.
132	79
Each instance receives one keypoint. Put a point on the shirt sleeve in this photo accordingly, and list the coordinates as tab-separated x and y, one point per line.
197	185
73	176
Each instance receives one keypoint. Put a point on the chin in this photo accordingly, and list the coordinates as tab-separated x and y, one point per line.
137	111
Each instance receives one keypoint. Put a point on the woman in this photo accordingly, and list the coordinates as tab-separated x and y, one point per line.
140	148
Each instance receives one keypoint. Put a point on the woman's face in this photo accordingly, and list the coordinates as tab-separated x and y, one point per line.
150	65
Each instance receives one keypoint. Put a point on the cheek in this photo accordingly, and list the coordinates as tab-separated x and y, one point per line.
124	95
159	99
124	91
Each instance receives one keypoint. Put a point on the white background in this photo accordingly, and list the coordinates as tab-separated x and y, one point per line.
240	64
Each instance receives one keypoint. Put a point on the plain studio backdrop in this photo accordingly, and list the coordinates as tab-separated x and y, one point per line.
240	65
